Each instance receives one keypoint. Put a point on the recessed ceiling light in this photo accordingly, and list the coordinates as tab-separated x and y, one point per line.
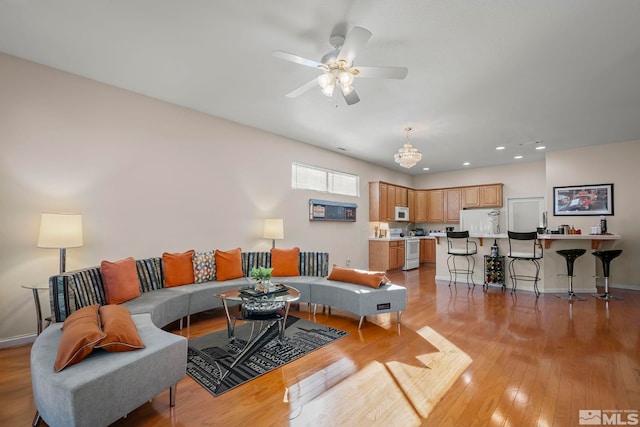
466	164
425	169
341	148
518	157
540	147
500	148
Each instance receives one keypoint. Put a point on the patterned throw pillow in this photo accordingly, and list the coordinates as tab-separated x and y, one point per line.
204	267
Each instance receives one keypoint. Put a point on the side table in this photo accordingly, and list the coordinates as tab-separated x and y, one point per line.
36	299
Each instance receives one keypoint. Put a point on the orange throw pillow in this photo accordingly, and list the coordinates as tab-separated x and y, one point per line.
178	269
228	264
120	280
80	333
121	332
359	277
285	262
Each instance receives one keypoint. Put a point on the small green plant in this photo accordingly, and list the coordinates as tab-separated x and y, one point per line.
261	273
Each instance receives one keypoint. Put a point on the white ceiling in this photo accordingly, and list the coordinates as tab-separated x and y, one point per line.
481	73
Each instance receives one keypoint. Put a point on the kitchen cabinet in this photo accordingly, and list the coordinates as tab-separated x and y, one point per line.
427	250
436	206
482	196
411	202
421	206
383	199
452	204
386	255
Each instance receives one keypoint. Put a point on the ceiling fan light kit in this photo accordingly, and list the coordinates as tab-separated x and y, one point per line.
408	156
338	68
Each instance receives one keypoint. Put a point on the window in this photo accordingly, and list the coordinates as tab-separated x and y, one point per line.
306	177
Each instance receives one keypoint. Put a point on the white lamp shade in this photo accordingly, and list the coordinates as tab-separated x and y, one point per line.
60	231
273	229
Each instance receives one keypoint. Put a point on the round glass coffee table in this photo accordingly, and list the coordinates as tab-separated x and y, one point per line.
258	306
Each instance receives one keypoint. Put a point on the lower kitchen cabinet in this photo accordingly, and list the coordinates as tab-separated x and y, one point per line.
386	255
427	250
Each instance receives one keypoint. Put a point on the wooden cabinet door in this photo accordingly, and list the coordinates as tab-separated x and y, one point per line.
378	255
436	206
411	202
453	203
382	207
401	197
491	196
471	197
430	250
421	206
400	254
390	216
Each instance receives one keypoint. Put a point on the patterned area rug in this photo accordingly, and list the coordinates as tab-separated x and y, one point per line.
219	365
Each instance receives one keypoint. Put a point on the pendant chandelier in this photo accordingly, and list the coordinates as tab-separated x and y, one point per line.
407	156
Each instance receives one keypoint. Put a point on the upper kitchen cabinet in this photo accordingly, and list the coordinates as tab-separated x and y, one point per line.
402	198
421	206
383	199
452	204
482	196
436	205
411	202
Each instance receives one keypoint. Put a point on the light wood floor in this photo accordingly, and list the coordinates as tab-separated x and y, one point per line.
533	362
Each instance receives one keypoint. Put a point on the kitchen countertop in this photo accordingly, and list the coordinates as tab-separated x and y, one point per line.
548	238
394	239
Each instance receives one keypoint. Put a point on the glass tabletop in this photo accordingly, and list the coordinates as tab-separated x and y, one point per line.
288	294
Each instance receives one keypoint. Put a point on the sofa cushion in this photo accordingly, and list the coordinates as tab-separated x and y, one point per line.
228	264
204	267
119	328
285	262
359	277
120	280
178	268
80	333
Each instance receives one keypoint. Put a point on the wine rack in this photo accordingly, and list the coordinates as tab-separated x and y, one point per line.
493	270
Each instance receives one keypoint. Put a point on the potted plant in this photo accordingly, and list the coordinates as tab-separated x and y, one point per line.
262	276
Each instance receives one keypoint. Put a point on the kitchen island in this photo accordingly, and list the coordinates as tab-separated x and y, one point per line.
553	267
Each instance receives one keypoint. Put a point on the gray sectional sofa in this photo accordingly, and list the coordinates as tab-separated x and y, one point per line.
77	395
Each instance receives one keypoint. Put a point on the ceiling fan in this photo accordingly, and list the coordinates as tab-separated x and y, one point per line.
338	68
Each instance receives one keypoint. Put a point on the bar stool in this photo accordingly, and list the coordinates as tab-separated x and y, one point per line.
570	256
459	245
519	250
606	257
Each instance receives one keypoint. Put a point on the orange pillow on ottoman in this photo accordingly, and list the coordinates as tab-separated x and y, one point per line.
285	262
178	268
80	333
360	277
119	328
120	280
228	264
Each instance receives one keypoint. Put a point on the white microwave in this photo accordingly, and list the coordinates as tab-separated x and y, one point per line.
402	213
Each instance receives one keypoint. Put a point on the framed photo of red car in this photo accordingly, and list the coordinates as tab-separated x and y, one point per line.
577	200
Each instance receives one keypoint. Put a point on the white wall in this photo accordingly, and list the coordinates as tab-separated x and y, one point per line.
148	177
615	163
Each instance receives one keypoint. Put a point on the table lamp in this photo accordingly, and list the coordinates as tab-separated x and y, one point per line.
60	231
273	229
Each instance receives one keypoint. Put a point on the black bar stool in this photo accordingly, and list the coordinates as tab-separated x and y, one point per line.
460	246
519	250
570	256
606	257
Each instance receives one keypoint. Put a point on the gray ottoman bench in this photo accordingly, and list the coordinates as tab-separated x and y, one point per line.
360	300
105	386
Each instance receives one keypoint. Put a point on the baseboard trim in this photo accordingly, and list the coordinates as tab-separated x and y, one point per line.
17	341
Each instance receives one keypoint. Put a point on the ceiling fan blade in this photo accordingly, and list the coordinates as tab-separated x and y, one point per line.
297	59
353	44
382	72
351	98
302	89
